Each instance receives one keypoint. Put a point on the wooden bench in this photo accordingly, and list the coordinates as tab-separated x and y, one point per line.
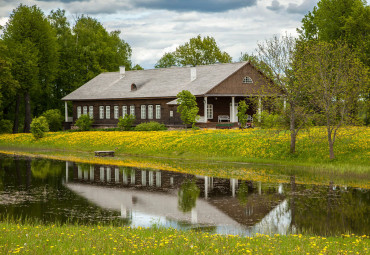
104	153
223	117
225	126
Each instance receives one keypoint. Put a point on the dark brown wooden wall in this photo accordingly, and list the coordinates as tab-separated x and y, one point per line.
165	111
234	83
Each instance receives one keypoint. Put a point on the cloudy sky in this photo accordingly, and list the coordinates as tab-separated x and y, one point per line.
153	27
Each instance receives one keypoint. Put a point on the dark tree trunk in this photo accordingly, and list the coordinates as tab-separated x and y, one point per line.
16	116
293	133
27	117
331	145
28	173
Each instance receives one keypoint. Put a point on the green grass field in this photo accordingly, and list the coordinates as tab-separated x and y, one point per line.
71	239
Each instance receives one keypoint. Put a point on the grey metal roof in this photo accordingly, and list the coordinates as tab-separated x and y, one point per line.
152	83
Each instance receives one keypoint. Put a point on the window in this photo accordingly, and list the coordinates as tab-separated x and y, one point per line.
157	111
171	114
78	112
101	112
124	110
247	79
132	110
116	112
210	111
91	112
143	112
85	110
150	112
107	112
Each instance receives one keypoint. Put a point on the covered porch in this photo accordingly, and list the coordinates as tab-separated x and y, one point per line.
215	110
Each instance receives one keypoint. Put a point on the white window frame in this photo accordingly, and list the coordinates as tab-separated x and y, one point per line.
101	112
78	112
132	110
150	111
158	111
107	112
171	114
91	112
143	111
84	110
247	80
116	111
209	111
124	110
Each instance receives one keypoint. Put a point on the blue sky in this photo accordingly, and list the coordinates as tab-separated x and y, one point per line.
153	27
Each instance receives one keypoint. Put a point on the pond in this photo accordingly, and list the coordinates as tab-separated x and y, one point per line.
50	191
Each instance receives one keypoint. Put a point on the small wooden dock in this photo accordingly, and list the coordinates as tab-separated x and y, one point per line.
104	153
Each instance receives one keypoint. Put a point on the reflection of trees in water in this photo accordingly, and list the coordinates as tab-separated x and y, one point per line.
187	195
325	211
42	168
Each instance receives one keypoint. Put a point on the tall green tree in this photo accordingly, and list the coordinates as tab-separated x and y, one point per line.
32	48
198	51
345	20
337	80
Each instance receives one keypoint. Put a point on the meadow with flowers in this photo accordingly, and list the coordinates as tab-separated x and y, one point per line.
352	147
66	239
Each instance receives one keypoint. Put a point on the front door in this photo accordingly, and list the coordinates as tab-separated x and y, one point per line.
235	113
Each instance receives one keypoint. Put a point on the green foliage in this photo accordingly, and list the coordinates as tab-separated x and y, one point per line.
6	126
42	168
126	122
54	119
198	51
270	120
242	113
187	108
137	67
188	195
150	126
84	122
39	126
346	20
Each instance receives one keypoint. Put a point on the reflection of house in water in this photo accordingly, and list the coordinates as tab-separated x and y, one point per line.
222	202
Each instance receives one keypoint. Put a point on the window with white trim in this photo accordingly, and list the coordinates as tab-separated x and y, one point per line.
247	79
150	112
158	111
91	112
143	112
171	114
85	110
101	112
124	110
132	110
116	112
78	112
107	112
209	111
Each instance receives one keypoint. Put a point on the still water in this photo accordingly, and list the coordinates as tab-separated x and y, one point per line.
54	191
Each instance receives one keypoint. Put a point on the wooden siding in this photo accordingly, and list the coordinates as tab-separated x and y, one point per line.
165	111
233	85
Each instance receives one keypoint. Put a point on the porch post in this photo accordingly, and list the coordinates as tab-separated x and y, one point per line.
67	167
259	110
66	111
205	109
205	187
232	109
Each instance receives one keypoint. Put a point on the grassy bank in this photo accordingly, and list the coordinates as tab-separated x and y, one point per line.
68	239
352	146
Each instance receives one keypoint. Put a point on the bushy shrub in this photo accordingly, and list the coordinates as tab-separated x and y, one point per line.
150	126
272	120
6	126
126	122
84	122
54	119
39	126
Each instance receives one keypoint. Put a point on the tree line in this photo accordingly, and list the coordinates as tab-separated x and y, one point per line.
44	58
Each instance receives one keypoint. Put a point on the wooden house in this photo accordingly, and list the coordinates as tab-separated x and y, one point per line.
150	95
